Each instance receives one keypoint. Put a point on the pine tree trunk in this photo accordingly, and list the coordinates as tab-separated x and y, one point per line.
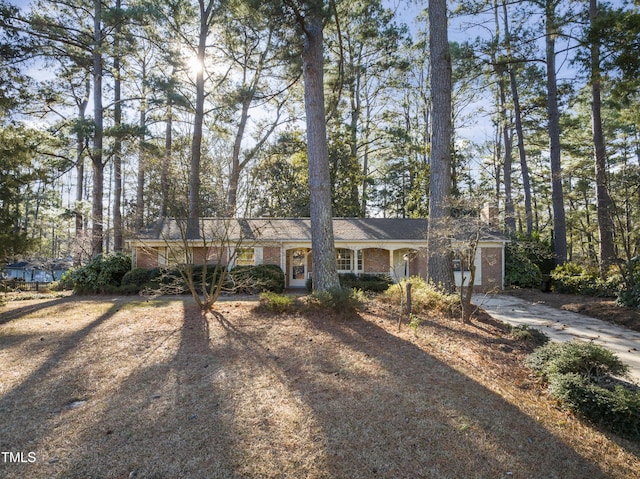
80	147
193	220
166	161
325	275
524	167
509	211
517	116
234	177
96	154
605	205
141	169
142	123
557	195
440	266
118	237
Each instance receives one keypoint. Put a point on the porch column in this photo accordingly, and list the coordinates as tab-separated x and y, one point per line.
392	272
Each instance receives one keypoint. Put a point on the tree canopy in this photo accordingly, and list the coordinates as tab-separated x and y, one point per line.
116	112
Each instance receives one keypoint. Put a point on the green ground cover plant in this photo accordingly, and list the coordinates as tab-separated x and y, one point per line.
583	378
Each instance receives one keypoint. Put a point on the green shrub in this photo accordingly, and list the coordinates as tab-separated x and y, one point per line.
137	277
344	300
579	373
103	274
618	410
572	278
530	335
365	282
520	270
208	274
424	297
61	285
629	294
587	359
258	278
375	283
276	303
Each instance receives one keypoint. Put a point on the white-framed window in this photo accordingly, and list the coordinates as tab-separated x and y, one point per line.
245	257
162	257
457	265
359	259
344	259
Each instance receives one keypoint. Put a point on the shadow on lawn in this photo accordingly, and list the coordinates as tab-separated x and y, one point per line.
385	408
47	384
163	421
7	316
376	406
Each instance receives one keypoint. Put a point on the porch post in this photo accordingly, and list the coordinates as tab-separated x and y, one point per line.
283	264
354	256
392	272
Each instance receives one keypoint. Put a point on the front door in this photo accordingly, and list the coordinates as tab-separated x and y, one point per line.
298	268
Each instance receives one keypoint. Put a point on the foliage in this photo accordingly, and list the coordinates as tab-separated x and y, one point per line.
629	294
526	260
414	322
103	274
276	303
139	277
590	360
630	297
21	169
529	335
203	275
375	283
618	410
573	278
340	300
258	278
579	376
520	269
425	297
366	282
284	166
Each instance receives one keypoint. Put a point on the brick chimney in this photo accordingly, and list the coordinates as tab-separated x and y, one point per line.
489	214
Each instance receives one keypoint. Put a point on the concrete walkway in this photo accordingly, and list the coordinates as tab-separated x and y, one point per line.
562	325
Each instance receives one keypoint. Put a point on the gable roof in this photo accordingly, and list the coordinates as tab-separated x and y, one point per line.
299	229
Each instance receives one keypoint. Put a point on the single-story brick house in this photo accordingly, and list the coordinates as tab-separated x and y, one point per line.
391	246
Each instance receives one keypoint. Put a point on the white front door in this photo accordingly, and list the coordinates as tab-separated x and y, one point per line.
298	268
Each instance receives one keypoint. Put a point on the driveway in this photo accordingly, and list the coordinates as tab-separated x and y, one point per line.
562	325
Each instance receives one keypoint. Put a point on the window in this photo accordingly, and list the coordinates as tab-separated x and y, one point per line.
457	265
359	268
343	259
162	257
245	257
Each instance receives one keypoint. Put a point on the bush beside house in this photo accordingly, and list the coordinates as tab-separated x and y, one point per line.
103	274
113	274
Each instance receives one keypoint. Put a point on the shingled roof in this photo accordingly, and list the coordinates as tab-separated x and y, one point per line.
299	229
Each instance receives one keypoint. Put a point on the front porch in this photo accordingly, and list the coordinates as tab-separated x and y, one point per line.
398	264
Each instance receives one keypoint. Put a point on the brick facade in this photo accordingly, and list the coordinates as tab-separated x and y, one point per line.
271	255
147	258
491	268
213	255
375	260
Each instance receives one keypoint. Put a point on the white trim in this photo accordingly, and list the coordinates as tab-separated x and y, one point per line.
162	256
258	255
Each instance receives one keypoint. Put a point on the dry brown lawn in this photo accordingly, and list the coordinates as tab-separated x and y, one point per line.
119	388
